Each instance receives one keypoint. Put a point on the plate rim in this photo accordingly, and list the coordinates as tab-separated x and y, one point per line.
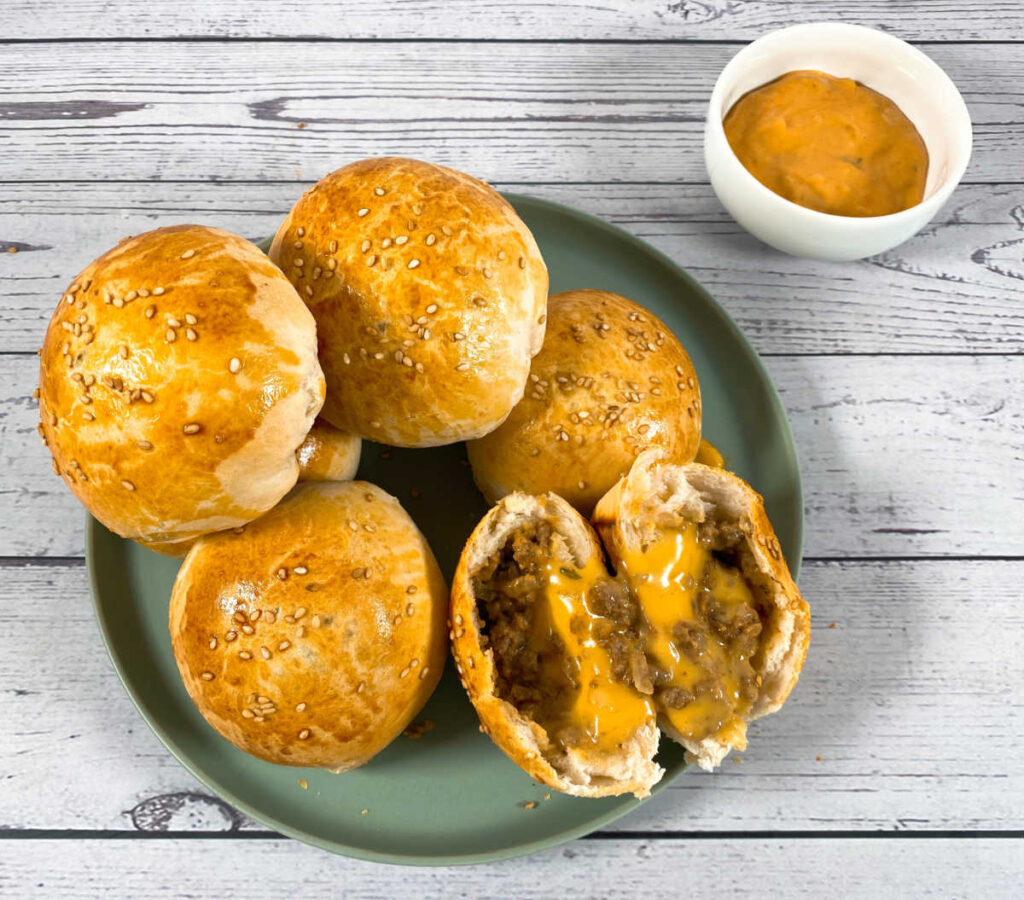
793	555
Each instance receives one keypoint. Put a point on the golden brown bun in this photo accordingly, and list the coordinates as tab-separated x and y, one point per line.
316	635
429	294
178	376
610	381
657	493
328	454
633	769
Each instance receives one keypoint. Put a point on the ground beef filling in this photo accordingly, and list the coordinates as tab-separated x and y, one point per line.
541	680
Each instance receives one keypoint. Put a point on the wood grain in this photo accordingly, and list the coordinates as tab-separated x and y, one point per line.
597	870
506	19
905	716
900	455
957	287
507	112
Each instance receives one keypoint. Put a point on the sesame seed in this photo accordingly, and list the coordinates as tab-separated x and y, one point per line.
188	254
487	273
150	311
315	621
235	365
144	445
309	291
247	714
423	672
213	642
191	334
299	262
192	428
402	239
248	629
146	396
462	367
158	292
265	653
297	245
255	617
191	319
245	654
360	686
362	212
411	589
127	485
300	570
404	672
300	231
371	259
230	636
413	263
171	335
300	612
207	676
284	645
303	734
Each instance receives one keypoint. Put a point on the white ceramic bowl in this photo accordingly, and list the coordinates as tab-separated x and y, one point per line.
888	65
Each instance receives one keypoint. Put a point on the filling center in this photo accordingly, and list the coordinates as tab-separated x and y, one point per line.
590	656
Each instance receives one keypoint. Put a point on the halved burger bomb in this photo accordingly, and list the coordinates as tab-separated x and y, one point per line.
574	666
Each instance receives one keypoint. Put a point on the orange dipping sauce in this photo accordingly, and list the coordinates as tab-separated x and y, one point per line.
830	144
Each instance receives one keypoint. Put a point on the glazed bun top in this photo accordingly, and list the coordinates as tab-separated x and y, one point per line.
610	381
178	376
316	635
429	294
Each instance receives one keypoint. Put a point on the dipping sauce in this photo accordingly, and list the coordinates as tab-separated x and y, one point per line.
829	144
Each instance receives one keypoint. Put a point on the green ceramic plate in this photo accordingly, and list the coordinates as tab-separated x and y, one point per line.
451	796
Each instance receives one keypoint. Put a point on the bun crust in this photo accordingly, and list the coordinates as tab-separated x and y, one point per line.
655	494
429	294
632	770
178	375
610	381
315	636
328	454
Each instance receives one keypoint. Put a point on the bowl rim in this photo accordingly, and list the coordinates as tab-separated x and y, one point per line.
959	116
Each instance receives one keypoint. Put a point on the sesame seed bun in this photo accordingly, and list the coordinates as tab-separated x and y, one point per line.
429	294
655	494
571	770
328	454
315	636
610	381
178	376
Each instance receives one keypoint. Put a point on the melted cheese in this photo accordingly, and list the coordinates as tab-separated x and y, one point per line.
604	712
708	455
667	577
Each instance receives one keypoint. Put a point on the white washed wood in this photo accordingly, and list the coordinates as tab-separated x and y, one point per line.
486	19
506	112
597	870
958	287
900	455
910	701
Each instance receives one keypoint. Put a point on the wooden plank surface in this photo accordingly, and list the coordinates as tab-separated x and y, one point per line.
958	287
596	870
208	111
505	19
906	716
900	455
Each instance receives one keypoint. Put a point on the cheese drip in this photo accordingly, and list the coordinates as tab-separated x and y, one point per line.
702	630
595	710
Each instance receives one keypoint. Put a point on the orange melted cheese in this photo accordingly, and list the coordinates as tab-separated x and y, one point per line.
829	144
708	455
666	578
605	710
